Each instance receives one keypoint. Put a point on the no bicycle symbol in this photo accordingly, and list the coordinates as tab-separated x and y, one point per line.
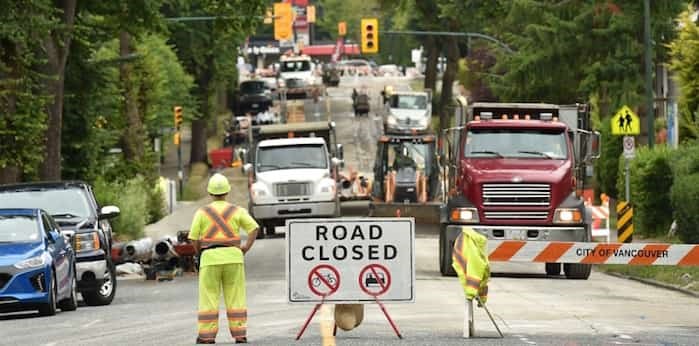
374	280
323	280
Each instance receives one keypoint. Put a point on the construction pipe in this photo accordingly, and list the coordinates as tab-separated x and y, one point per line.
138	250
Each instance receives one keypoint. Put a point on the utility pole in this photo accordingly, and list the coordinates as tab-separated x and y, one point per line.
649	74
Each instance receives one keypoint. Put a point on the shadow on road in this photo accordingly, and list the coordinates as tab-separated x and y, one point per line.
526	276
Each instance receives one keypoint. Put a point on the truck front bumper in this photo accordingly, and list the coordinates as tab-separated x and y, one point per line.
294	210
575	233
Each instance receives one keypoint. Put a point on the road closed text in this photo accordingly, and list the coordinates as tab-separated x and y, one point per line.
364	234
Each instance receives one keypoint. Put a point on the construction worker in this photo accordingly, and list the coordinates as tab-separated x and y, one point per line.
216	238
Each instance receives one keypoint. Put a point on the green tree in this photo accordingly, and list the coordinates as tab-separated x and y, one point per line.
22	99
209	49
684	52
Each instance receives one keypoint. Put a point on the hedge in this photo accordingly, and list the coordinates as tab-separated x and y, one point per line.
685	202
651	178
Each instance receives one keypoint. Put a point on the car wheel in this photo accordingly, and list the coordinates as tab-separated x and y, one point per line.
577	271
71	303
553	268
105	294
49	308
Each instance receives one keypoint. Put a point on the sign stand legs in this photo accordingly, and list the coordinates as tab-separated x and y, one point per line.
310	317
469	321
390	321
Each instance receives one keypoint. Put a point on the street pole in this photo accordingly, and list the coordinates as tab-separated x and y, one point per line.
649	74
627	180
180	170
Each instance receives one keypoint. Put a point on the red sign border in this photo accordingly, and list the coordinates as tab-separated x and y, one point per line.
314	271
383	289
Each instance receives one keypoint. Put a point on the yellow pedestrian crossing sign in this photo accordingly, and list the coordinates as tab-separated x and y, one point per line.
626	123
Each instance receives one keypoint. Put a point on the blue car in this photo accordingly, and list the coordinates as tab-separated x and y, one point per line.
37	265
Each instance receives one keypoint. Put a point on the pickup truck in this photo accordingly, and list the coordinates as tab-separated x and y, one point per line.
73	206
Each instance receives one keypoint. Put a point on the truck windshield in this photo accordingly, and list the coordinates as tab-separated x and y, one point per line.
296	66
18	229
291	156
409	101
509	143
68	203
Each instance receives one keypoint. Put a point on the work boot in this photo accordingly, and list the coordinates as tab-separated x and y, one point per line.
241	340
205	341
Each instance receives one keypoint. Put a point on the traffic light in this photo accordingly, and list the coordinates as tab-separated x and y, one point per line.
311	14
341	28
370	35
178	116
283	20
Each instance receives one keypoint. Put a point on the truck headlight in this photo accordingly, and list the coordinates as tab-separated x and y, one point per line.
464	215
88	241
33	262
327	186
391	120
567	215
258	191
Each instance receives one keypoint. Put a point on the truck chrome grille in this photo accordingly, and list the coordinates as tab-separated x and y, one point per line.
515	194
292	189
516	215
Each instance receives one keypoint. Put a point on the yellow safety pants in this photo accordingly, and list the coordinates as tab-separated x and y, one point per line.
230	278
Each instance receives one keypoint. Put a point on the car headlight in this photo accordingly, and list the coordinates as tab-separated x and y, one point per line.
464	215
567	215
33	262
88	241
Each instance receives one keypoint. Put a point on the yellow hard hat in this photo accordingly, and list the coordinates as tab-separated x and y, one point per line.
218	185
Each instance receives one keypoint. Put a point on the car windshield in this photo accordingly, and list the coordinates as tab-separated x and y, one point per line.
408	154
525	144
70	203
252	87
291	156
18	228
296	66
409	101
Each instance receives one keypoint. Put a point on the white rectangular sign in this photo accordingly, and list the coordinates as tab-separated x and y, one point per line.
350	260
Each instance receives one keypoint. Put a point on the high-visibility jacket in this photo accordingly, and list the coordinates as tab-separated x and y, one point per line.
470	261
218	224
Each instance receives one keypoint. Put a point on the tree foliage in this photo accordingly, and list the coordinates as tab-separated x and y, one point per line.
684	52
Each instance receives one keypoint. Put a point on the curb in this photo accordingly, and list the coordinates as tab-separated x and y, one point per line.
655	283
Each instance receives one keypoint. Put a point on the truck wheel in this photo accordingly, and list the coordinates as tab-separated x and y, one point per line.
105	293
262	230
445	253
269	228
553	268
577	271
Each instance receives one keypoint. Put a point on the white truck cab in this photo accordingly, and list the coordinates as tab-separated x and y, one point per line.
297	67
408	111
293	178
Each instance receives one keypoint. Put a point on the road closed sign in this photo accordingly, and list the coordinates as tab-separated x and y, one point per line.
350	260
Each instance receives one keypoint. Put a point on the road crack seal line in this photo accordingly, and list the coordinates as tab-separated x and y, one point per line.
589	324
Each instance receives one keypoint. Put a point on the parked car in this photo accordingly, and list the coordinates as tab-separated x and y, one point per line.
74	207
296	88
254	97
37	265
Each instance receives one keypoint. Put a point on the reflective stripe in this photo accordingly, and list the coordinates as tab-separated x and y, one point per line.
473	282
208	314
237	314
457	253
219	224
237	332
208	334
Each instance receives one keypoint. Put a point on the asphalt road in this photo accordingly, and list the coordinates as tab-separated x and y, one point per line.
529	307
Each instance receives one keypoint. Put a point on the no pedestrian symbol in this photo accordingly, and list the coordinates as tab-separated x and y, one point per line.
323	280
626	123
374	279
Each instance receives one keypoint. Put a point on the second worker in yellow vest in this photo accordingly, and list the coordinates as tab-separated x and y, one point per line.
216	237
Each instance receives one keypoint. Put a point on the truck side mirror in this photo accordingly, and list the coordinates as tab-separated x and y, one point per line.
247	168
337	162
340	152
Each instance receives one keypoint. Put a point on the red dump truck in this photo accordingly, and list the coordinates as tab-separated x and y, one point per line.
513	171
